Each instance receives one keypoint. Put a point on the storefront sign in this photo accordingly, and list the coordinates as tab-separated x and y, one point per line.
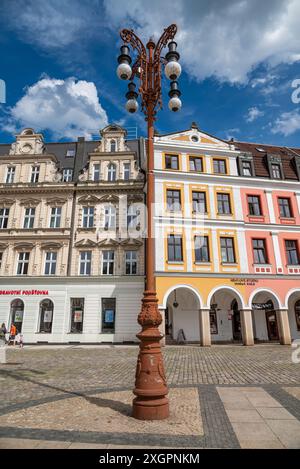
18	316
244	281
24	292
109	315
262	306
78	316
48	315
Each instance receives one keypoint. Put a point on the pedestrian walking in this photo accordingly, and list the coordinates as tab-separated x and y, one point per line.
12	334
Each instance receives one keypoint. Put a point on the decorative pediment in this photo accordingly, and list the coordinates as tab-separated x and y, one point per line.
23	246
109	198
131	243
108	242
56	201
85	243
6	202
88	200
28	143
30	202
51	246
193	136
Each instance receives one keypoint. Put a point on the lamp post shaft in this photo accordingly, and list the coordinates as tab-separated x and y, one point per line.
150	389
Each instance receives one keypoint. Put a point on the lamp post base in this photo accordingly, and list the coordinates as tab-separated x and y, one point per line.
151	389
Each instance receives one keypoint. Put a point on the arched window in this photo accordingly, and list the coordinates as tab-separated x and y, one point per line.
297	314
17	313
113	146
46	315
111	172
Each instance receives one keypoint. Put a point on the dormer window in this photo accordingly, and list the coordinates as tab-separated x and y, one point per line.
247	168
111	172
276	172
70	153
96	172
126	171
67	174
10	175
113	146
35	173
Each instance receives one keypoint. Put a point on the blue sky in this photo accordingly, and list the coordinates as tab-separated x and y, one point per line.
239	60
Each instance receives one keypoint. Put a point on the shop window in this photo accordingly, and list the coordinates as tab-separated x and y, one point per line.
297	314
108	315
46	316
77	312
213	322
17	313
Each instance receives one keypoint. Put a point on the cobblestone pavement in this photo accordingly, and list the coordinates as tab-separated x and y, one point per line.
219	397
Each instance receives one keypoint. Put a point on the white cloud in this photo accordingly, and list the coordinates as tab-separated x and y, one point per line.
67	108
287	123
253	113
225	39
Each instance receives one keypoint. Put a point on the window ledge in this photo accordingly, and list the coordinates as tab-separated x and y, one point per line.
289	219
175	262
199	213
81	228
293	266
229	263
262	265
208	263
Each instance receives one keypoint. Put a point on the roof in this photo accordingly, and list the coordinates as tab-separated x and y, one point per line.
286	154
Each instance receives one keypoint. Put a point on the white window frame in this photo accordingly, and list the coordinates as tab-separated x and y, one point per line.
110	214
4	217
51	262
67	174
85	260
10	174
111	172
23	260
108	260
35	174
29	218
96	172
55	218
131	259
126	170
88	214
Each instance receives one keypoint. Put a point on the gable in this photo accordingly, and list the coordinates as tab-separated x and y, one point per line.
193	137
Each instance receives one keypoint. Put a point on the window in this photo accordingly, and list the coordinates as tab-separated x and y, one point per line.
254	205
55	217
88	217
4	214
35	173
113	145
77	311
259	251
246	168
111	172
172	162
201	249
284	205
67	174
227	250
126	171
46	316
1	257
224	207
219	166
175	248
213	322
50	263
276	171
85	263
173	200
70	153
297	314
16	314
29	218
199	202
10	175
132	217
110	217
131	262
108	261
292	253
196	164
23	263
96	172
108	315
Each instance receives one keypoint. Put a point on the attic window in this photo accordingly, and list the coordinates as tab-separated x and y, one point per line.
70	153
261	150
195	138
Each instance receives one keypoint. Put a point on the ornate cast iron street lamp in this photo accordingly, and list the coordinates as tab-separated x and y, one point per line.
151	389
